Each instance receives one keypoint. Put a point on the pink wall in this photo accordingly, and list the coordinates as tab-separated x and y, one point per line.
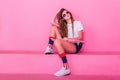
25	24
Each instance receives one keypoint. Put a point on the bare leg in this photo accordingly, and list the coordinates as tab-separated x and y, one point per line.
63	46
54	32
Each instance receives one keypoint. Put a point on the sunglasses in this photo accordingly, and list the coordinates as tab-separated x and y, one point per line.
65	14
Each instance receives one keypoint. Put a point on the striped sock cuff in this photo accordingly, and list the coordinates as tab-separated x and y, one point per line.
62	55
50	40
51	37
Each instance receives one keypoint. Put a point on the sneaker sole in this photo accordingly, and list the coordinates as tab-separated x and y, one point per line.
62	75
48	53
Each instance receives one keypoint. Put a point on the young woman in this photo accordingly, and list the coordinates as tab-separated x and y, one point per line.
66	34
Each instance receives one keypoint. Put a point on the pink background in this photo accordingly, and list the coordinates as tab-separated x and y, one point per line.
25	24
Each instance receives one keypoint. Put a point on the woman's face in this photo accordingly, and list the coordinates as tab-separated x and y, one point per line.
66	15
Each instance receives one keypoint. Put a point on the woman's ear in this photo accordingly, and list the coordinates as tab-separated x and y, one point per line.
63	19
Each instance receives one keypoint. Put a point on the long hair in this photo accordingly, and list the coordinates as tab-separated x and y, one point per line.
63	23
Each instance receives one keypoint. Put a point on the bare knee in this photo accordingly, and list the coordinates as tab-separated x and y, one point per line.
53	27
53	31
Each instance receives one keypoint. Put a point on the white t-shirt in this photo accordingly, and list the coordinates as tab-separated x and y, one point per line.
77	27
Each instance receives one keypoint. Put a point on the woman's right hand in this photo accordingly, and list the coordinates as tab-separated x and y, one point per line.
52	22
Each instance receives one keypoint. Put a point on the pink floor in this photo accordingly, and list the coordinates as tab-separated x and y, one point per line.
51	77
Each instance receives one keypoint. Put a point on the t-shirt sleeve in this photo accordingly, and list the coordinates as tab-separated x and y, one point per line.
79	26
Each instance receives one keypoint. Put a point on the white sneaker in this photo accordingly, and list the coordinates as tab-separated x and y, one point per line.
48	50
62	72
